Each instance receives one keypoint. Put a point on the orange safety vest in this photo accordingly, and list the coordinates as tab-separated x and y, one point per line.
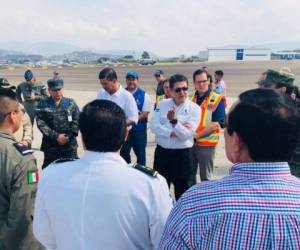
208	106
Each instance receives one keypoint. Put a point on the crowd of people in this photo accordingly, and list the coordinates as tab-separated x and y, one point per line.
104	201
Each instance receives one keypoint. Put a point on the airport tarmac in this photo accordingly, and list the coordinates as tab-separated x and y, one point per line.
82	85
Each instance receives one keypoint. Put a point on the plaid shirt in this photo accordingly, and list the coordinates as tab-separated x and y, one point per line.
256	207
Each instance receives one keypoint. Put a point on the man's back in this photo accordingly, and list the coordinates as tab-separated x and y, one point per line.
256	207
98	202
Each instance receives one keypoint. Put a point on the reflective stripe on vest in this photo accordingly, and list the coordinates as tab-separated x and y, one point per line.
208	106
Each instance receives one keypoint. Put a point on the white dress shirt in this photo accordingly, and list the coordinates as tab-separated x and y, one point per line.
187	112
124	99
98	202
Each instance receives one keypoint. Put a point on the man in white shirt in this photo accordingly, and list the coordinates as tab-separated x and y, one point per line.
98	201
137	138
113	91
173	123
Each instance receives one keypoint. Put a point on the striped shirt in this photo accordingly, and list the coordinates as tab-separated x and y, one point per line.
256	207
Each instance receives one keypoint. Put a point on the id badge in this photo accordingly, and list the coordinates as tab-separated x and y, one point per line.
70	118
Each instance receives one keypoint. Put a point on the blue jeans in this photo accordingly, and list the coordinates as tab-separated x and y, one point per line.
138	141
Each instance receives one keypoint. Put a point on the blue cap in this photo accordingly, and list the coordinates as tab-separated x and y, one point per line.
132	74
55	83
28	75
158	72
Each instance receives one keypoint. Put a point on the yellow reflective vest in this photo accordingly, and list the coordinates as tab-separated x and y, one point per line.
208	106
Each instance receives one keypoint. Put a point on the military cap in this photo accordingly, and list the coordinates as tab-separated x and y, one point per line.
158	72
28	75
132	74
282	76
55	83
5	84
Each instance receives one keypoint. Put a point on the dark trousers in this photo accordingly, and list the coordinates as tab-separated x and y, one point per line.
175	166
51	156
138	141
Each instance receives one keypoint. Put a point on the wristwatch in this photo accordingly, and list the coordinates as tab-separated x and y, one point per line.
173	121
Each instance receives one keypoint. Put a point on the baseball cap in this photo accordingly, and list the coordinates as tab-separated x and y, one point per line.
278	77
132	74
28	75
158	72
55	84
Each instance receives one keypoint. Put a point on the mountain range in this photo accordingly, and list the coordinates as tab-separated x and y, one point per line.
48	49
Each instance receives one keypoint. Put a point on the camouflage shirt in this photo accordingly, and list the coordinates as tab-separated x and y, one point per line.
53	119
24	93
18	185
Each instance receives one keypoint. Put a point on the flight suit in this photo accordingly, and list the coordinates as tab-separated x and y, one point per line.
18	186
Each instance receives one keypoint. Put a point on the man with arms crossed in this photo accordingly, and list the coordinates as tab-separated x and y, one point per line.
173	123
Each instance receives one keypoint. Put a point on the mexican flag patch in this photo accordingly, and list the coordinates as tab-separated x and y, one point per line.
32	177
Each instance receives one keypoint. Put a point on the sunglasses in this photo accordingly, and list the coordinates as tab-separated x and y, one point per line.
178	90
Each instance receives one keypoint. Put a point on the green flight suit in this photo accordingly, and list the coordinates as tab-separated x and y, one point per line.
18	185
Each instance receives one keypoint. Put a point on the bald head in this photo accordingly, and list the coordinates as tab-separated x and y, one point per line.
7	105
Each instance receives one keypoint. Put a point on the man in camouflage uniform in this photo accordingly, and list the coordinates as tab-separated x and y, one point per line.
283	80
29	93
57	119
18	178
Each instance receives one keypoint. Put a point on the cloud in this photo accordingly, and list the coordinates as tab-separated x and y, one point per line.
164	27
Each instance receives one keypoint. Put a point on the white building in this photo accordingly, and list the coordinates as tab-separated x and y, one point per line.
239	54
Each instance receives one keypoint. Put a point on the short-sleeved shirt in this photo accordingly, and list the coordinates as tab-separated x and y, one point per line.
124	99
98	202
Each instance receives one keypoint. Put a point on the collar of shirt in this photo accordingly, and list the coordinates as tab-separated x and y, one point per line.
7	136
199	99
96	156
117	93
262	169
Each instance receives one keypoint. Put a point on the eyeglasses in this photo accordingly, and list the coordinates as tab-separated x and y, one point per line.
8	113
178	90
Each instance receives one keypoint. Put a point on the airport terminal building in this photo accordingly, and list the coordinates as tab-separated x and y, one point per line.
239	54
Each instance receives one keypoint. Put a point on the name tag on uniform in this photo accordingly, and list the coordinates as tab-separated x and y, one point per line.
70	118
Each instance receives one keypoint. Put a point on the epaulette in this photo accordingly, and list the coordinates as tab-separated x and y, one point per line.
145	169
60	160
24	150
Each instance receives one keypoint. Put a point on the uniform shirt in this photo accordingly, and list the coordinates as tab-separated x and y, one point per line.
256	207
187	112
98	202
25	91
18	184
53	119
124	99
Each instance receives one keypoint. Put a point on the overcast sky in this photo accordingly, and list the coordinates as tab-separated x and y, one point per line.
165	27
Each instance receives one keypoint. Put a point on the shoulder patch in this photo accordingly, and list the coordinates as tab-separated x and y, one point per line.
61	160
33	177
24	150
145	169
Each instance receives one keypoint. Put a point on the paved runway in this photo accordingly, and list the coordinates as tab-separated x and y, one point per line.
82	84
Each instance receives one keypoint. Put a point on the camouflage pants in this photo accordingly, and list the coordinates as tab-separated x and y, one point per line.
51	156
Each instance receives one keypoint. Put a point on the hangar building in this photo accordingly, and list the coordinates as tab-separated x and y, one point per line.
239	54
